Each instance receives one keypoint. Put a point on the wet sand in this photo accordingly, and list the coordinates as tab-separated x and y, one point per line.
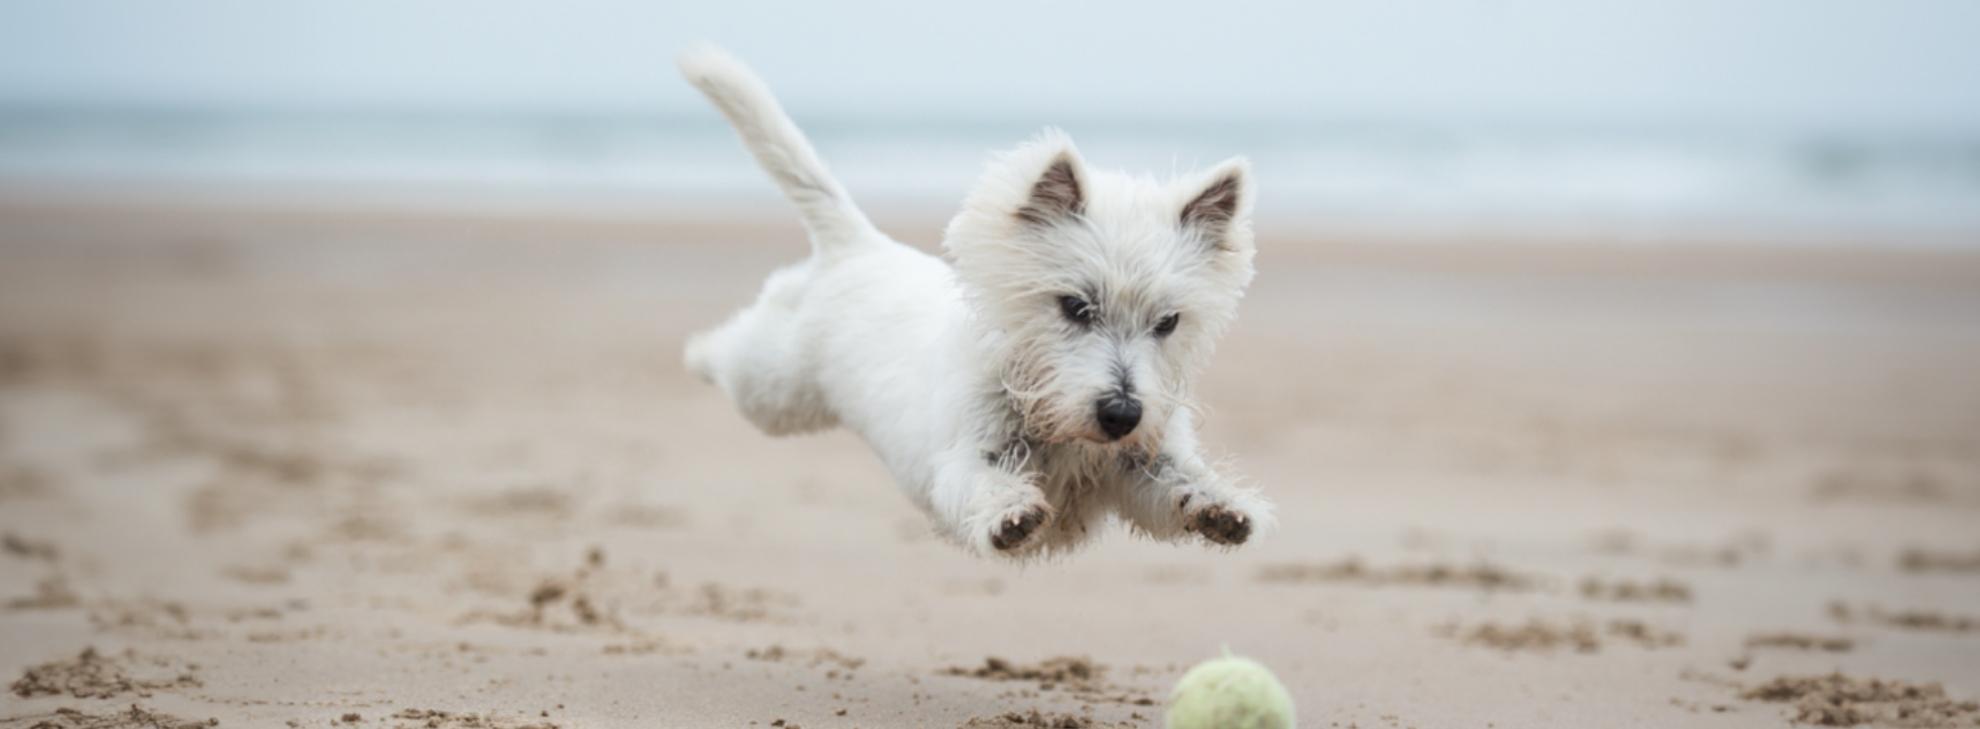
345	467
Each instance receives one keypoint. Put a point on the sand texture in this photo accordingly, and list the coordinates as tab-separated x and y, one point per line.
371	468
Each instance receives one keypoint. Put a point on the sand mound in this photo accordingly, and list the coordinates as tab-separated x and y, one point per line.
1034	720
1926	620
91	675
1481	575
1582	636
26	548
1800	641
813	658
1920	561
1839	700
1075	675
431	719
1069	670
50	593
134	718
1659	590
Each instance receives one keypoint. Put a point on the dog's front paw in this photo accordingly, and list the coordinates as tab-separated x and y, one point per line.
1226	516
1014	530
1217	523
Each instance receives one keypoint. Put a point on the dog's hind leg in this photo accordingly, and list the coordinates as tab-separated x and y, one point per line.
756	357
750	358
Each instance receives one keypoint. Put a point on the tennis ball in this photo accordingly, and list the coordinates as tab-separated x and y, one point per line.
1231	692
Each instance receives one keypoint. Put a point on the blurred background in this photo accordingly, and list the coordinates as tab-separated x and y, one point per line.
1820	115
1609	364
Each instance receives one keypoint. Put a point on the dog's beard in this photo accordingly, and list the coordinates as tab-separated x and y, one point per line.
1048	415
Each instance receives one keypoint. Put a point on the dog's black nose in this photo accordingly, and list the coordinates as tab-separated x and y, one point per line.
1118	416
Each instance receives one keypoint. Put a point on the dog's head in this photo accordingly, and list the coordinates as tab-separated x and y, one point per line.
1103	294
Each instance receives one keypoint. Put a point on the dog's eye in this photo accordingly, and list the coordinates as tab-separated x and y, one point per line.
1167	325
1076	310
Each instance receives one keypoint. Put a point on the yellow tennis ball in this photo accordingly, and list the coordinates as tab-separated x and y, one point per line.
1232	692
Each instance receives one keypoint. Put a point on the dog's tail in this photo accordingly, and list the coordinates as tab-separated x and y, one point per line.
829	214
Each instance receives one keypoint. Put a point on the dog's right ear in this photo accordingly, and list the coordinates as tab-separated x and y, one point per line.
1023	195
1058	195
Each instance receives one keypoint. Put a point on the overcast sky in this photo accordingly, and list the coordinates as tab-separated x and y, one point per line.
1802	64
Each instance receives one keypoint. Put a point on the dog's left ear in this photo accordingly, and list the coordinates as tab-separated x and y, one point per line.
1058	195
1220	210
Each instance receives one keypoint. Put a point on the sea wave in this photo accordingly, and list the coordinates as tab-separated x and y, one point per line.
1322	170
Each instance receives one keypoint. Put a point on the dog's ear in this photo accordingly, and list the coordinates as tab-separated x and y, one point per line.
1023	196
1059	193
1221	205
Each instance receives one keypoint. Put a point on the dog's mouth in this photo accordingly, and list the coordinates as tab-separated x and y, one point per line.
1140	440
1088	435
1086	431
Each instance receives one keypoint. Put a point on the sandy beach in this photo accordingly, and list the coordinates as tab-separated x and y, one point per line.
323	466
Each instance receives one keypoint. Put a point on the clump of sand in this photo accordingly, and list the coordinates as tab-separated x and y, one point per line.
1920	561
1076	675
1901	484
50	593
560	603
1926	620
1642	634
741	605
135	717
1731	551
145	617
27	548
22	482
1800	641
1662	589
1480	575
92	675
1533	635
813	658
554	604
1033	719
432	719
1839	700
1581	636
1072	671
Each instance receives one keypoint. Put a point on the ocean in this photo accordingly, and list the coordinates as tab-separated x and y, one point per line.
1350	173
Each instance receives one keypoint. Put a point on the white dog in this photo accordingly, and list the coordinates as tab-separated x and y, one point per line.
1039	384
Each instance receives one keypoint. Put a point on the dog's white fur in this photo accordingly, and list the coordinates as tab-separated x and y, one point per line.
976	384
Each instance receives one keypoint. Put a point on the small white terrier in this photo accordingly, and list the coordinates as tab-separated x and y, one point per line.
1036	386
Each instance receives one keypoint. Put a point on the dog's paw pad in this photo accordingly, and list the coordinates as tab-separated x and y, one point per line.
1017	529
1221	525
